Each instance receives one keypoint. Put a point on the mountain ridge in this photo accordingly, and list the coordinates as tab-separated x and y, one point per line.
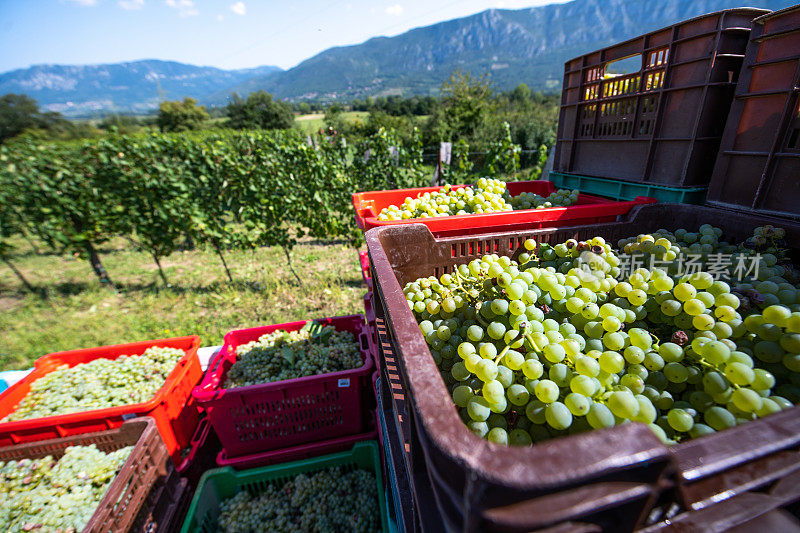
510	46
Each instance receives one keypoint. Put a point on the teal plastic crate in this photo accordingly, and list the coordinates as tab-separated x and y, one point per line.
627	190
222	483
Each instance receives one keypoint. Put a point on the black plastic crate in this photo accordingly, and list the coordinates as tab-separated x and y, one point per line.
759	160
661	122
620	478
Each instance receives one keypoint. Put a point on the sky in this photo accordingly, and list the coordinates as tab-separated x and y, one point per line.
227	34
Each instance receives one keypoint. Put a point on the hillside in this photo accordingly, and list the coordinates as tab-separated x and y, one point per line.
136	87
510	46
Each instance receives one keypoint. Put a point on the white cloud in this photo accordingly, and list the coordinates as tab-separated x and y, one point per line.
186	8
395	10
239	8
131	4
220	17
86	3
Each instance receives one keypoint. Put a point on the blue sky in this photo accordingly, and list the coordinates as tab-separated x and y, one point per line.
220	33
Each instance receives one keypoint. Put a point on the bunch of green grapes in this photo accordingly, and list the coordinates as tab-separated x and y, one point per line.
554	343
284	355
488	196
529	200
329	500
98	384
56	495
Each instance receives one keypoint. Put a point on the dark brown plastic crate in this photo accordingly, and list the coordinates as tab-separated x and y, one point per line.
758	167
125	505
661	124
610	478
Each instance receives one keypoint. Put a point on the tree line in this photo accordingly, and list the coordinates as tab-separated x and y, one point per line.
467	109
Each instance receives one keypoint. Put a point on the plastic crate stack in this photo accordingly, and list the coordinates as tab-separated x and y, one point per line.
152	490
268	433
646	116
654	133
411	503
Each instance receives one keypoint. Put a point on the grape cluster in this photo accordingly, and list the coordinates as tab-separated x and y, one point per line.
98	384
529	200
554	343
329	500
284	355
487	196
57	496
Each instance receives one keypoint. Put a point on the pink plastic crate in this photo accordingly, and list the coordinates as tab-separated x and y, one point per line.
282	414
296	453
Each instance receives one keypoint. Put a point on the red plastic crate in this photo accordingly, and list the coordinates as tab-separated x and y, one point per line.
363	258
281	414
173	407
296	453
588	210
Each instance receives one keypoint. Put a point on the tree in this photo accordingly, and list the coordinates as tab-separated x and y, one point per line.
181	116
259	111
465	111
18	113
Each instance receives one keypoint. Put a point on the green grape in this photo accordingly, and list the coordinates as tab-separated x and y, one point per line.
600	416
611	362
747	400
623	404
739	374
462	395
719	418
586	366
680	420
519	437
676	373
532	369
498	436
577	404
517	394
558	416
493	391
546	391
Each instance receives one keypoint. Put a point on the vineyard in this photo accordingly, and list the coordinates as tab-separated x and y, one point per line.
220	191
230	222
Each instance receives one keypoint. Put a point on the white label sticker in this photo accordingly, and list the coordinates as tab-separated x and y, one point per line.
344	382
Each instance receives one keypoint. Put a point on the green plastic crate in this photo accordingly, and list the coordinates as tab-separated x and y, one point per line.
627	190
223	483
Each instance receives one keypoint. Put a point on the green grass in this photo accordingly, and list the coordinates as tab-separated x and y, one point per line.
80	313
312	123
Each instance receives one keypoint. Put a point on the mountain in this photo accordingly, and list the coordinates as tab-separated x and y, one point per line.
135	87
511	46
